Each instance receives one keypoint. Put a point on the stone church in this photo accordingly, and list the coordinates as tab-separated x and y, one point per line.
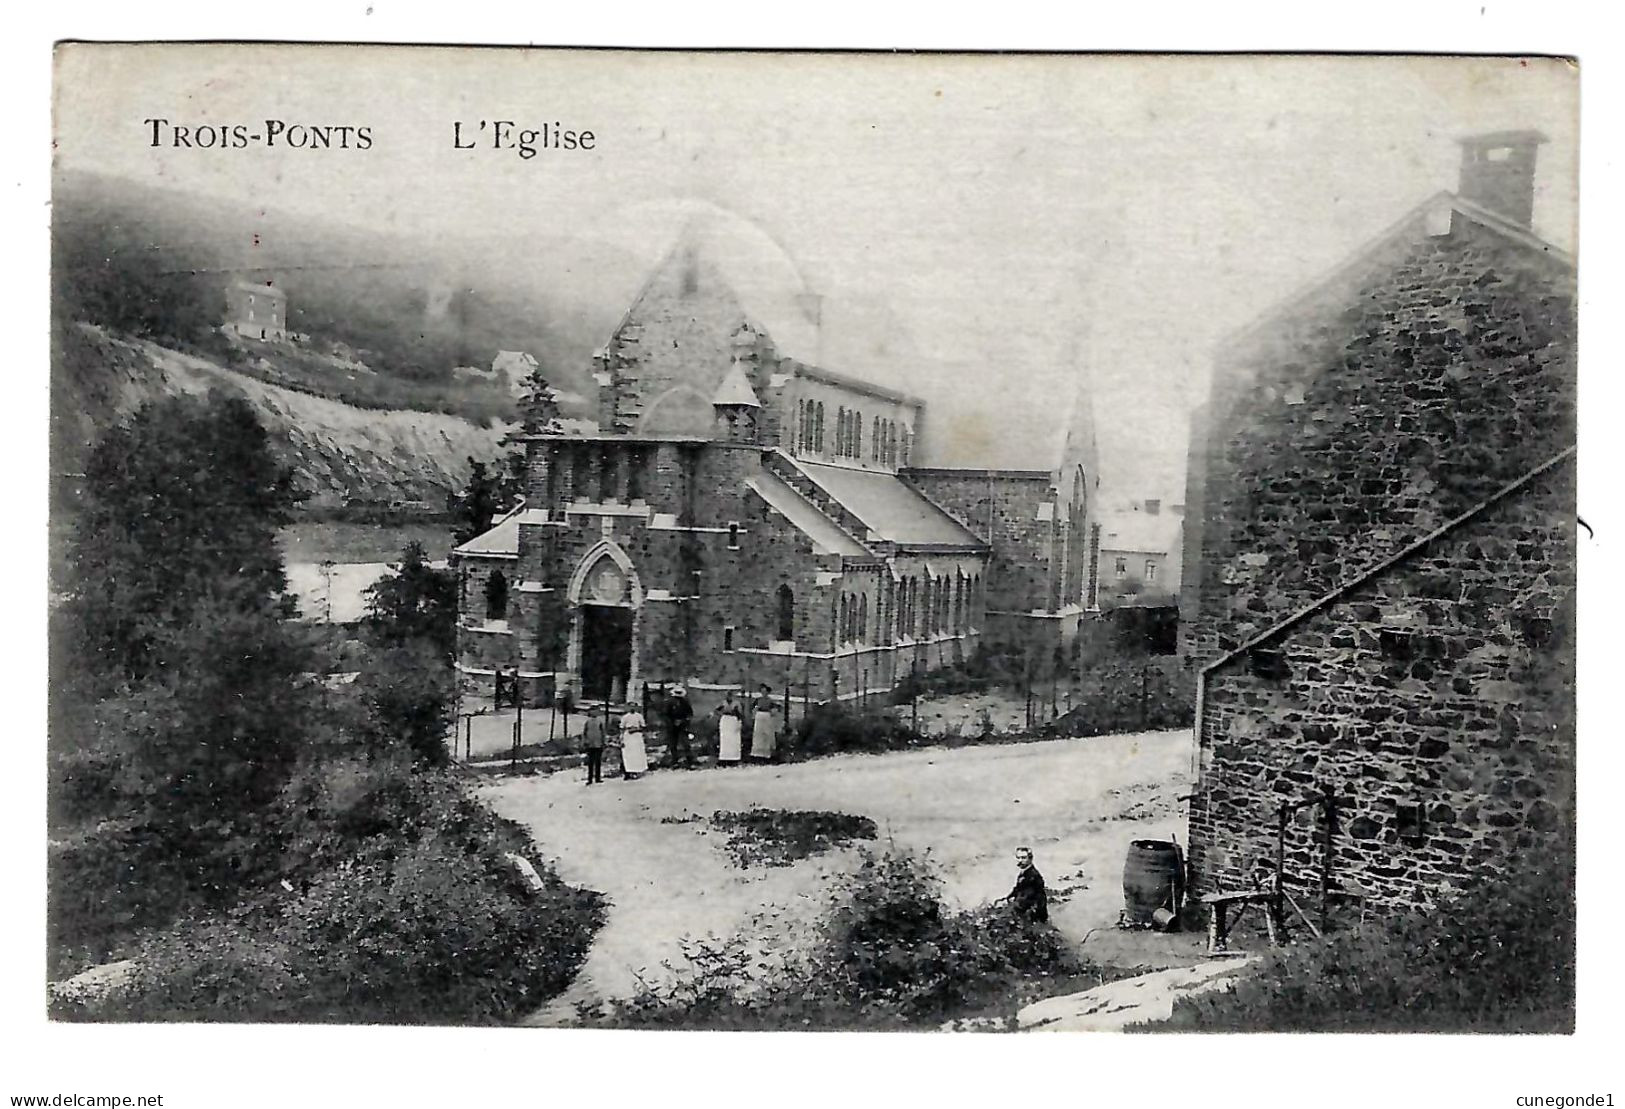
742	516
1381	558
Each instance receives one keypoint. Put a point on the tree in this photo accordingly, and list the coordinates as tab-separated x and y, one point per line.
181	510
478	504
178	647
416	602
408	691
539	412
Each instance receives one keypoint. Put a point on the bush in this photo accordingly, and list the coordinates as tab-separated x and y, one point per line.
437	935
1498	957
423	921
409	692
1122	695
886	953
833	728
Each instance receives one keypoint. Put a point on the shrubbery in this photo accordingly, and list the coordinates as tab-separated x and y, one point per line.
399	907
1497	957
1126	695
260	845
835	728
886	953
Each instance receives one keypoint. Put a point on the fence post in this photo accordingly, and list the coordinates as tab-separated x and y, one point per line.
1027	688
914	695
519	713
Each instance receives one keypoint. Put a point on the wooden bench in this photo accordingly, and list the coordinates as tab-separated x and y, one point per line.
1219	906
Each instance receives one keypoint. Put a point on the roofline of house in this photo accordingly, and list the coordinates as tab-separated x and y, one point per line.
978	547
977	471
1391	561
603	437
256	287
847	381
1477	213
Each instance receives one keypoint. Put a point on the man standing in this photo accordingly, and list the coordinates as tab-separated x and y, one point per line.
1028	898
679	717
592	742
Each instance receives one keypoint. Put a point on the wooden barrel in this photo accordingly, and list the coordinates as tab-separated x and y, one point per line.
1152	879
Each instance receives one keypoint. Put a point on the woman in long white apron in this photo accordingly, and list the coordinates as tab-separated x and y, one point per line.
764	732
634	748
730	731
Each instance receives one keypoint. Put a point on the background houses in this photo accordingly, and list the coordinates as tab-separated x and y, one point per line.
256	310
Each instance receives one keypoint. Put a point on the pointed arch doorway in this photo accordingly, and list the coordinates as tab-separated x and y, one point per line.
606	602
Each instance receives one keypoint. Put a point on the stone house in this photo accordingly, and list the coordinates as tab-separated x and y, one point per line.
743	516
1380	564
256	310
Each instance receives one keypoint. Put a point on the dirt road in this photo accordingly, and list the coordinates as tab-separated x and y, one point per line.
1077	802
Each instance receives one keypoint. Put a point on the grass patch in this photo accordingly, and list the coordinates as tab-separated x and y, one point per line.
1498	957
352	541
781	837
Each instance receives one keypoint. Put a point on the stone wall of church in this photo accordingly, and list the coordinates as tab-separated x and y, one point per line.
1016	513
664	363
480	649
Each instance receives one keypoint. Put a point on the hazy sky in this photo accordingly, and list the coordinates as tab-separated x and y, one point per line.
1023	221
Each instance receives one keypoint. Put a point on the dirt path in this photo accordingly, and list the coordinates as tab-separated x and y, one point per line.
1077	802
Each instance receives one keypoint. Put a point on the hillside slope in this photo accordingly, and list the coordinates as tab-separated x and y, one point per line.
338	453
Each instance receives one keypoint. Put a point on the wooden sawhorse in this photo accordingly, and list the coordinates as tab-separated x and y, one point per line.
1219	921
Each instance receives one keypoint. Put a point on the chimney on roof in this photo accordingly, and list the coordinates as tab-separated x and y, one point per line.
1498	173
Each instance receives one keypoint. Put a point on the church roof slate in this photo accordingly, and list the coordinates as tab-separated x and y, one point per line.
888	507
805	516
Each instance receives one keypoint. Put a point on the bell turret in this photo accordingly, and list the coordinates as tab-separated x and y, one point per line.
737	407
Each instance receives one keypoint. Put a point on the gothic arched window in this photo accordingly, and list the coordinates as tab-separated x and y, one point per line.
496	596
787	613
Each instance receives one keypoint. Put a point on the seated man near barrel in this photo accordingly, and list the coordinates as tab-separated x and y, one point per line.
1028	898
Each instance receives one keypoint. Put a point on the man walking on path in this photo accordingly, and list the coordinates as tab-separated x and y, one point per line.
1028	898
679	716
592	742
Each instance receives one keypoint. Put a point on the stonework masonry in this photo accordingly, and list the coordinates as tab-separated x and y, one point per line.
1425	700
1039	546
1400	400
742	517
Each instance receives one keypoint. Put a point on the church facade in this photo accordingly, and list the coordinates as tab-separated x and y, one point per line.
742	517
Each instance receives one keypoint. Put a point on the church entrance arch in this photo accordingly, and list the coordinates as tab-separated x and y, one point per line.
606	601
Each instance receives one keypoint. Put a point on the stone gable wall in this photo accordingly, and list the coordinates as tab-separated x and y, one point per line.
1341	431
1003	511
1442	686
